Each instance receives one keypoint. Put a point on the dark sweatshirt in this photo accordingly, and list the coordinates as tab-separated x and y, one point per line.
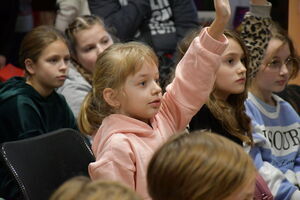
25	113
159	23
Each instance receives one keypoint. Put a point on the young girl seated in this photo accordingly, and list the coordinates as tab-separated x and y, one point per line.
88	38
275	123
30	106
201	165
126	100
83	188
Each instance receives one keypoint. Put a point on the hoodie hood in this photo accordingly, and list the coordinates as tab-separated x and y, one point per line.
118	123
15	86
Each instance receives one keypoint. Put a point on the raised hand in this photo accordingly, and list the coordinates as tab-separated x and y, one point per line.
223	11
223	14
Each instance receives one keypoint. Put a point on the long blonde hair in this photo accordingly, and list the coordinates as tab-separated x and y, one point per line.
112	68
82	188
201	165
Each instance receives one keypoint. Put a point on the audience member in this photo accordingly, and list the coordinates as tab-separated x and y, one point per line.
83	188
31	107
68	10
201	165
224	112
275	123
160	24
126	100
88	38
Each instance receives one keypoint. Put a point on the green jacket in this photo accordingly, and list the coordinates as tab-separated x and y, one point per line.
25	113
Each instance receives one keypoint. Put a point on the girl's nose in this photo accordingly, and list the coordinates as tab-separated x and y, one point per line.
242	69
100	49
157	89
284	70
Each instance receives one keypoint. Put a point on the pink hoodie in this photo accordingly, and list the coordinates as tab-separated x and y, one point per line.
123	146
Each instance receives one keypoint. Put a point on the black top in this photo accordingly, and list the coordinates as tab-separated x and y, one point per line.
204	119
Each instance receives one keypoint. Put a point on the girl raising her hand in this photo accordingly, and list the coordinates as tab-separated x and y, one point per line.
126	112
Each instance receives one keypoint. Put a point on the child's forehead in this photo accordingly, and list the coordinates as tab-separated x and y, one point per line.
276	46
146	68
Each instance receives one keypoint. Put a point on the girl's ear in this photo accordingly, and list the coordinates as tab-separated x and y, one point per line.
110	96
29	66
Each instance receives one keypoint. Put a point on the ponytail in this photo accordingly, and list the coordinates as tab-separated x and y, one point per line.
89	118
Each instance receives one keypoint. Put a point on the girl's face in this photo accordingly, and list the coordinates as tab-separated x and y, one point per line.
51	68
140	97
275	69
231	76
89	44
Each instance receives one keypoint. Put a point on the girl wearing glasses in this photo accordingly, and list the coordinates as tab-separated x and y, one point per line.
276	125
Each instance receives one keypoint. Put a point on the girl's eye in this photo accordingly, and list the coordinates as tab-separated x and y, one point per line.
87	49
243	60
143	83
105	41
53	60
67	60
230	61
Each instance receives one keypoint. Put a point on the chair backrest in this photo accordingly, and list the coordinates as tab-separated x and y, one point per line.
41	164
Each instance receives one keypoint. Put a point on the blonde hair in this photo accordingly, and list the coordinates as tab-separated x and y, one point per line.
112	68
36	41
200	165
82	188
81	23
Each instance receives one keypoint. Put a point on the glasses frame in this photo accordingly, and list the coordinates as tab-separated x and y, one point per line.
290	67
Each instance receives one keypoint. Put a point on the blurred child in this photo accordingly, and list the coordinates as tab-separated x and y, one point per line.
275	123
30	106
88	38
126	100
201	165
83	188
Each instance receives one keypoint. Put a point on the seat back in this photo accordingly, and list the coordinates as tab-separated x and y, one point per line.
41	164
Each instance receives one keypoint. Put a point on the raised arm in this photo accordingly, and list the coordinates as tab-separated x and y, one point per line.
223	14
195	73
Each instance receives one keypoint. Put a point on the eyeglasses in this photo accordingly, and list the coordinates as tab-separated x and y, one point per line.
276	64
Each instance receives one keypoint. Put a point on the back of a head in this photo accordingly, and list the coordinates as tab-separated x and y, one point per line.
82	188
196	166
